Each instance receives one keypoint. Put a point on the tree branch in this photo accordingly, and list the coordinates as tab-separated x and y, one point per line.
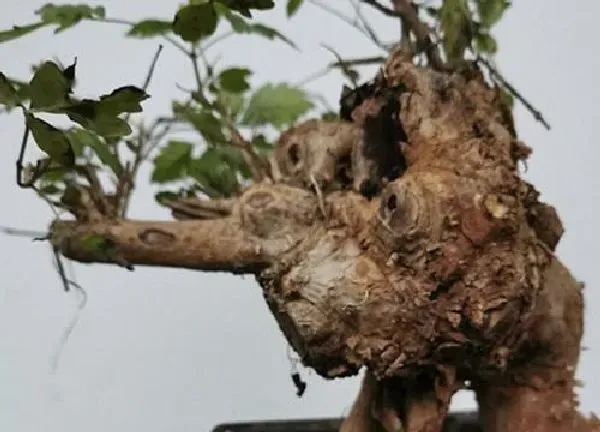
404	9
216	245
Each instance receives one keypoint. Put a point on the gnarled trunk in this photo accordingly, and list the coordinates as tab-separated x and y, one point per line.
443	275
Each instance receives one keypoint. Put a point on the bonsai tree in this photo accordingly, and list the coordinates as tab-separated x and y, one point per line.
394	233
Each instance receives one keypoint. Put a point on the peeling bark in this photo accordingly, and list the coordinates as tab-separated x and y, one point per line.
446	276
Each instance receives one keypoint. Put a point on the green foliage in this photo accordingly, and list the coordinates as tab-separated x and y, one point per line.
485	43
491	11
216	171
277	105
456	24
234	80
196	21
66	16
81	138
150	28
244	6
203	120
8	94
223	107
52	141
292	7
172	161
19	31
49	88
125	99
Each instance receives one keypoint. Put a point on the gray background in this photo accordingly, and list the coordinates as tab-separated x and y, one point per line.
174	350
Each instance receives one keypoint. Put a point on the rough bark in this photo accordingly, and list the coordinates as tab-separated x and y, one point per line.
447	276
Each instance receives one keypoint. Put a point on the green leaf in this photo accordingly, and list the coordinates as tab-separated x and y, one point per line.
19	31
240	25
456	24
22	91
203	121
125	99
52	141
87	113
48	89
108	126
193	22
234	80
244	6
8	94
67	15
215	172
172	161
491	11
232	102
69	74
150	28
83	138
276	104
292	7
485	43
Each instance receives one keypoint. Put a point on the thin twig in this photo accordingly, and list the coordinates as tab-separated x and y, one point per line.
498	76
70	327
366	25
150	73
350	21
168	38
127	180
22	156
340	64
405	10
23	232
217	39
255	163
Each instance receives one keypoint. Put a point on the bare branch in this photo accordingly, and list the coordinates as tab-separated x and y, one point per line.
197	208
128	175
498	77
405	10
215	245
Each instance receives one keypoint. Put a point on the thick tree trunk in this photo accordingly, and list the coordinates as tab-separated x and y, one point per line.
445	276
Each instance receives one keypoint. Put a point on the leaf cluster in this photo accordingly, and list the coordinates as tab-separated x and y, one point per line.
230	116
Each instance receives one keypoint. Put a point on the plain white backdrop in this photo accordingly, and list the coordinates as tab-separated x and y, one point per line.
173	350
